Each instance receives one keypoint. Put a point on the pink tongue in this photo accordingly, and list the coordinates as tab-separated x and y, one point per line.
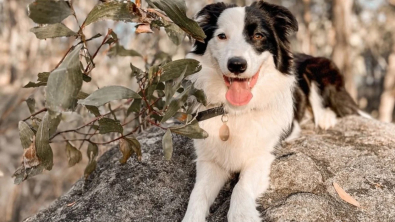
239	93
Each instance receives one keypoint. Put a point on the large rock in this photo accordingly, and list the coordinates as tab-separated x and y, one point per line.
358	154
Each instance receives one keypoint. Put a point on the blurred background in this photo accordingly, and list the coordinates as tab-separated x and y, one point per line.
359	35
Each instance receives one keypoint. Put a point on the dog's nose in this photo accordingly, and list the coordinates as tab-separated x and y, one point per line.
237	65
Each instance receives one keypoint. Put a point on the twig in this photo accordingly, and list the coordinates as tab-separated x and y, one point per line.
35	114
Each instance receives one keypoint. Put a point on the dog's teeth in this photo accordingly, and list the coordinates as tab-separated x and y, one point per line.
249	80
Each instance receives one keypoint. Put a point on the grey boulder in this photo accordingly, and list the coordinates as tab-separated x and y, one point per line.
358	154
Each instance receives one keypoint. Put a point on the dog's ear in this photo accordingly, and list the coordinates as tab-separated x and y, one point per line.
284	21
207	19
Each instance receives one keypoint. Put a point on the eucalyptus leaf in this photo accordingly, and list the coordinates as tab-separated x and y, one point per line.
135	71
172	86
135	145
90	168
25	134
54	121
31	104
114	10
92	151
22	174
52	31
119	50
94	110
107	94
43	149
176	11
174	69
42	81
74	156
134	107
48	11
64	83
191	130
175	33
167	144
175	105
126	150
107	125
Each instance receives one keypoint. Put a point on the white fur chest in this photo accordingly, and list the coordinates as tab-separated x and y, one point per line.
252	134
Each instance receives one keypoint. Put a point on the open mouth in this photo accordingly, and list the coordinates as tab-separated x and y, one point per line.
239	89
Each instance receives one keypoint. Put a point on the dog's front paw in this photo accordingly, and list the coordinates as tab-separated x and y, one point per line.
243	212
327	119
195	216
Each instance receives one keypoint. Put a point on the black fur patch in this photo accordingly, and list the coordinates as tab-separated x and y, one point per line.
277	23
208	17
330	82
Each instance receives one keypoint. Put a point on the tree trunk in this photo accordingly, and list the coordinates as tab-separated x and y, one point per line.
342	10
307	44
387	102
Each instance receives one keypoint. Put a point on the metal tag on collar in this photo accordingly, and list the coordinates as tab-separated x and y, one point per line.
224	132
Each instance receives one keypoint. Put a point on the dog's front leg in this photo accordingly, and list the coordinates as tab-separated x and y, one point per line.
209	180
253	181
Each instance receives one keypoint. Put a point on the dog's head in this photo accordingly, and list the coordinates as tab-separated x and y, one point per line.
246	48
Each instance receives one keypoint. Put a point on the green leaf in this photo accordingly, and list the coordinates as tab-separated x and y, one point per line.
86	78
43	149
176	104
48	11
117	11
74	156
134	107
172	86
107	94
52	31
135	71
175	33
25	134
31	103
42	81
200	96
135	145
94	110
191	130
22	174
126	150
54	120
64	83
119	50
167	144
90	168
174	69
176	11
107	125
92	151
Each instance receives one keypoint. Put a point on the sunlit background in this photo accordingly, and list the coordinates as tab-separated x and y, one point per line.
359	35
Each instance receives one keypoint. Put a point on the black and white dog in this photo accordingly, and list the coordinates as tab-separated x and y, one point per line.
248	69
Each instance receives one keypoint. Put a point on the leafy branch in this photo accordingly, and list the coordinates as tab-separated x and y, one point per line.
163	98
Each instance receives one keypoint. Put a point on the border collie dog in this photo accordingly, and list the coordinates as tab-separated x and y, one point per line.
249	71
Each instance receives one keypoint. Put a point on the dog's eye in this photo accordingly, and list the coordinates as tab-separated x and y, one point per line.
258	36
222	36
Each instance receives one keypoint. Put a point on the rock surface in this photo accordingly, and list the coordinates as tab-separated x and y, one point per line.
358	154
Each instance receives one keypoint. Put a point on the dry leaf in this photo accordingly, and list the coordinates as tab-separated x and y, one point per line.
71	204
144	28
30	158
345	196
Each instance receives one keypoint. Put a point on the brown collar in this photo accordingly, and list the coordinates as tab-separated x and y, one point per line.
210	113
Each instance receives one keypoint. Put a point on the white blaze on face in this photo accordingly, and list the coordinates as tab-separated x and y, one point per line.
231	22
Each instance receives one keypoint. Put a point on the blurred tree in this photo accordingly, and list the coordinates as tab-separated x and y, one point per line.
387	102
342	11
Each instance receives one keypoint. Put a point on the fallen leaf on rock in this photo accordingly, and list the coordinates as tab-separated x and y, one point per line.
143	28
345	196
71	204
